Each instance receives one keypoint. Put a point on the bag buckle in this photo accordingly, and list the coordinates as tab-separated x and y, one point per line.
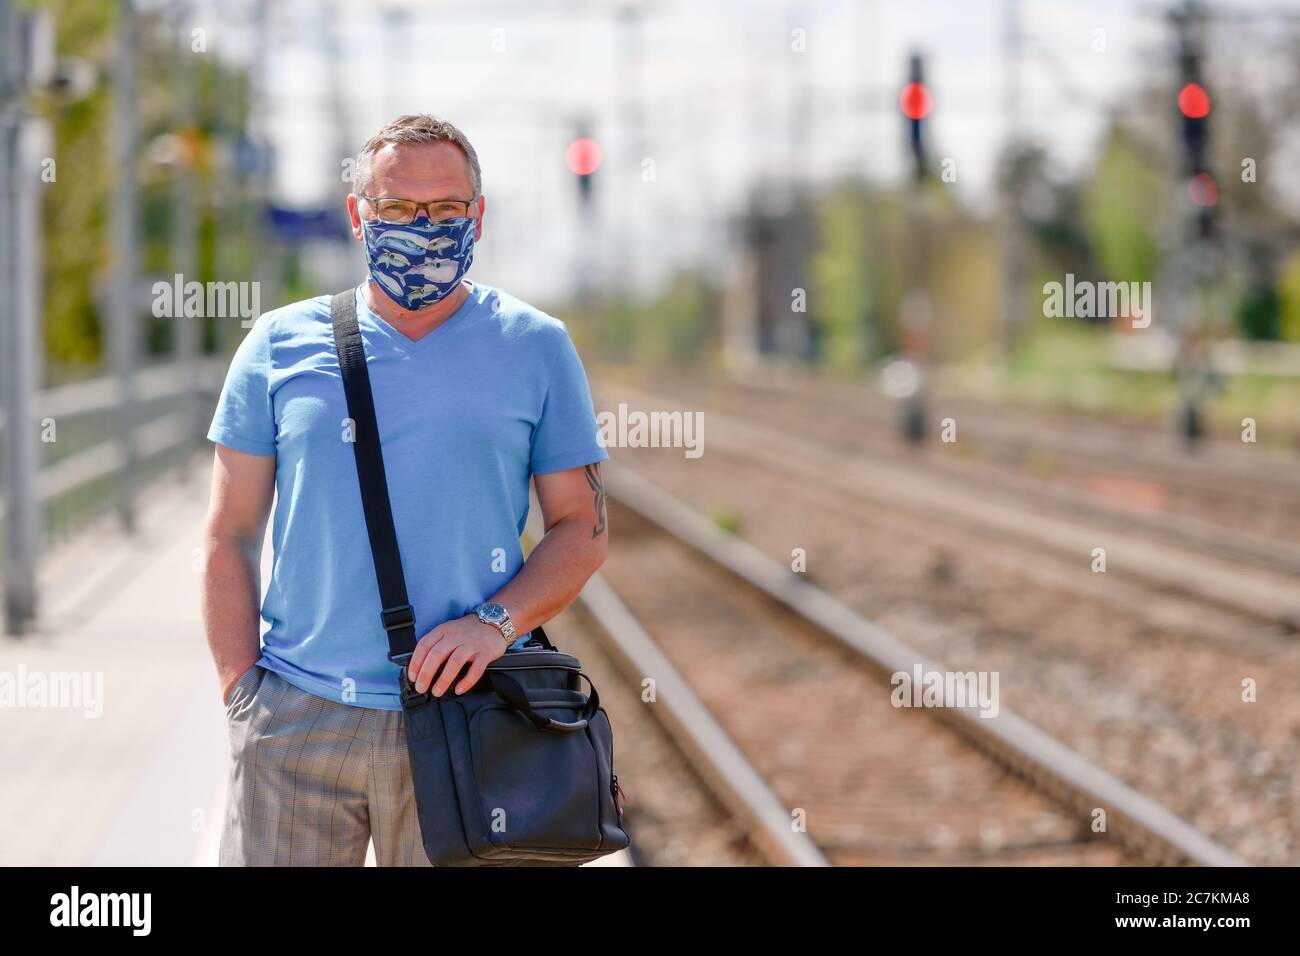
394	619
397	617
408	694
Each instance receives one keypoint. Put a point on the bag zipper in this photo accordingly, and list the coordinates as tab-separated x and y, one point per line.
616	791
547	665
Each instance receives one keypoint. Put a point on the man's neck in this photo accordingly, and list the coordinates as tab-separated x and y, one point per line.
414	325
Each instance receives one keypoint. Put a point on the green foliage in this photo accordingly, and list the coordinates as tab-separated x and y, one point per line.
681	324
617	335
840	293
1259	313
872	247
727	519
1068	365
1289	287
77	206
1122	203
965	286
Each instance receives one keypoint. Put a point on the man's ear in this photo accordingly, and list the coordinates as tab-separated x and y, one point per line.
478	221
354	213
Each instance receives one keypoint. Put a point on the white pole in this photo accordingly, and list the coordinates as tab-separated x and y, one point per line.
21	150
123	316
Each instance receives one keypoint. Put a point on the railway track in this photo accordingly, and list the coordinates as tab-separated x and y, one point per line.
1245	574
780	695
676	815
1240	503
1262	469
1144	678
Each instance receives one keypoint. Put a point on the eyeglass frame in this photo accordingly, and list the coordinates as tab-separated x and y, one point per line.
420	206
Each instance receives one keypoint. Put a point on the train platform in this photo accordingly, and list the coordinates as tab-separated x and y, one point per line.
123	761
115	747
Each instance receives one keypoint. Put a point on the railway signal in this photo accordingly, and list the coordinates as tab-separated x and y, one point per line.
583	157
1195	104
916	102
908	374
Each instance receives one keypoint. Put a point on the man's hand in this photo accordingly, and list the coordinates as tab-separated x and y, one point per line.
228	681
576	539
466	640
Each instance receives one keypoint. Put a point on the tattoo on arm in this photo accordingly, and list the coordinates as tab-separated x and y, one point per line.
598	490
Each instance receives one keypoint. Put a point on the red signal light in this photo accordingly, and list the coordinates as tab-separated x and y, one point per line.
1193	101
915	101
1202	190
583	157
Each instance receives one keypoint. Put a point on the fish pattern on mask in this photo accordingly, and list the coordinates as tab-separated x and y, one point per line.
420	262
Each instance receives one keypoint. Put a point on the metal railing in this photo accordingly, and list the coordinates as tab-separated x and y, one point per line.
71	451
97	445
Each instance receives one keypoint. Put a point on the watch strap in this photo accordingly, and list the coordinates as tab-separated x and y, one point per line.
505	626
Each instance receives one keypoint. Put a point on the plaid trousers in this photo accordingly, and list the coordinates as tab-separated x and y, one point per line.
312	781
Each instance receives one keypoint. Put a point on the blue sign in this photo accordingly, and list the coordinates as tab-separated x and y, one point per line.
294	226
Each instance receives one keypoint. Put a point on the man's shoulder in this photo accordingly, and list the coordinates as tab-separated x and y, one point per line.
293	319
515	317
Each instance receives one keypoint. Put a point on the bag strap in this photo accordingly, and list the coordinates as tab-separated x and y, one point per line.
397	616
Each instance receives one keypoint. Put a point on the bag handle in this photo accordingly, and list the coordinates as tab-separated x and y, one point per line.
397	616
512	692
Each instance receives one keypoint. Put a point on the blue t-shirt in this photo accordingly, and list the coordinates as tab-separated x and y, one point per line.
466	415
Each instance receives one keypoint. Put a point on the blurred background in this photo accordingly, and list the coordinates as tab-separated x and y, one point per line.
828	233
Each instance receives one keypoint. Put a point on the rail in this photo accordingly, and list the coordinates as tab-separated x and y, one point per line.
1137	821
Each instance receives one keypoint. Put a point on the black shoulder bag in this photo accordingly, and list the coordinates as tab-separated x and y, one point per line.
517	771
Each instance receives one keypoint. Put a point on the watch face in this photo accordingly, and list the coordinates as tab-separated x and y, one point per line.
492	612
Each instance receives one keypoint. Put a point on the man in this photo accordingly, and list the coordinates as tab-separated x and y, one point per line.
475	392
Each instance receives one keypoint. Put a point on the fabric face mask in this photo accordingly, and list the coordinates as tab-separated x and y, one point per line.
421	262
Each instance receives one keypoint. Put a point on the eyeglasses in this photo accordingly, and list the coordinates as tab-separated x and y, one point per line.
403	211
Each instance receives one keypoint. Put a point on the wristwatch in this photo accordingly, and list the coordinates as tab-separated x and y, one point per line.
495	614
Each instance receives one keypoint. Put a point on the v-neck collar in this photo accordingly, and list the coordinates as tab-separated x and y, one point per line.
399	338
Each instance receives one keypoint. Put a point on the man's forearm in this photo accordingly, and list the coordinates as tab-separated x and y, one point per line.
231	616
554	573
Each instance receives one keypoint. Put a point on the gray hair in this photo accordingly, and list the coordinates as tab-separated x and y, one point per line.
415	128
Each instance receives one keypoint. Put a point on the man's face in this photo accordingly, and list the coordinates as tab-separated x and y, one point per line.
422	172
